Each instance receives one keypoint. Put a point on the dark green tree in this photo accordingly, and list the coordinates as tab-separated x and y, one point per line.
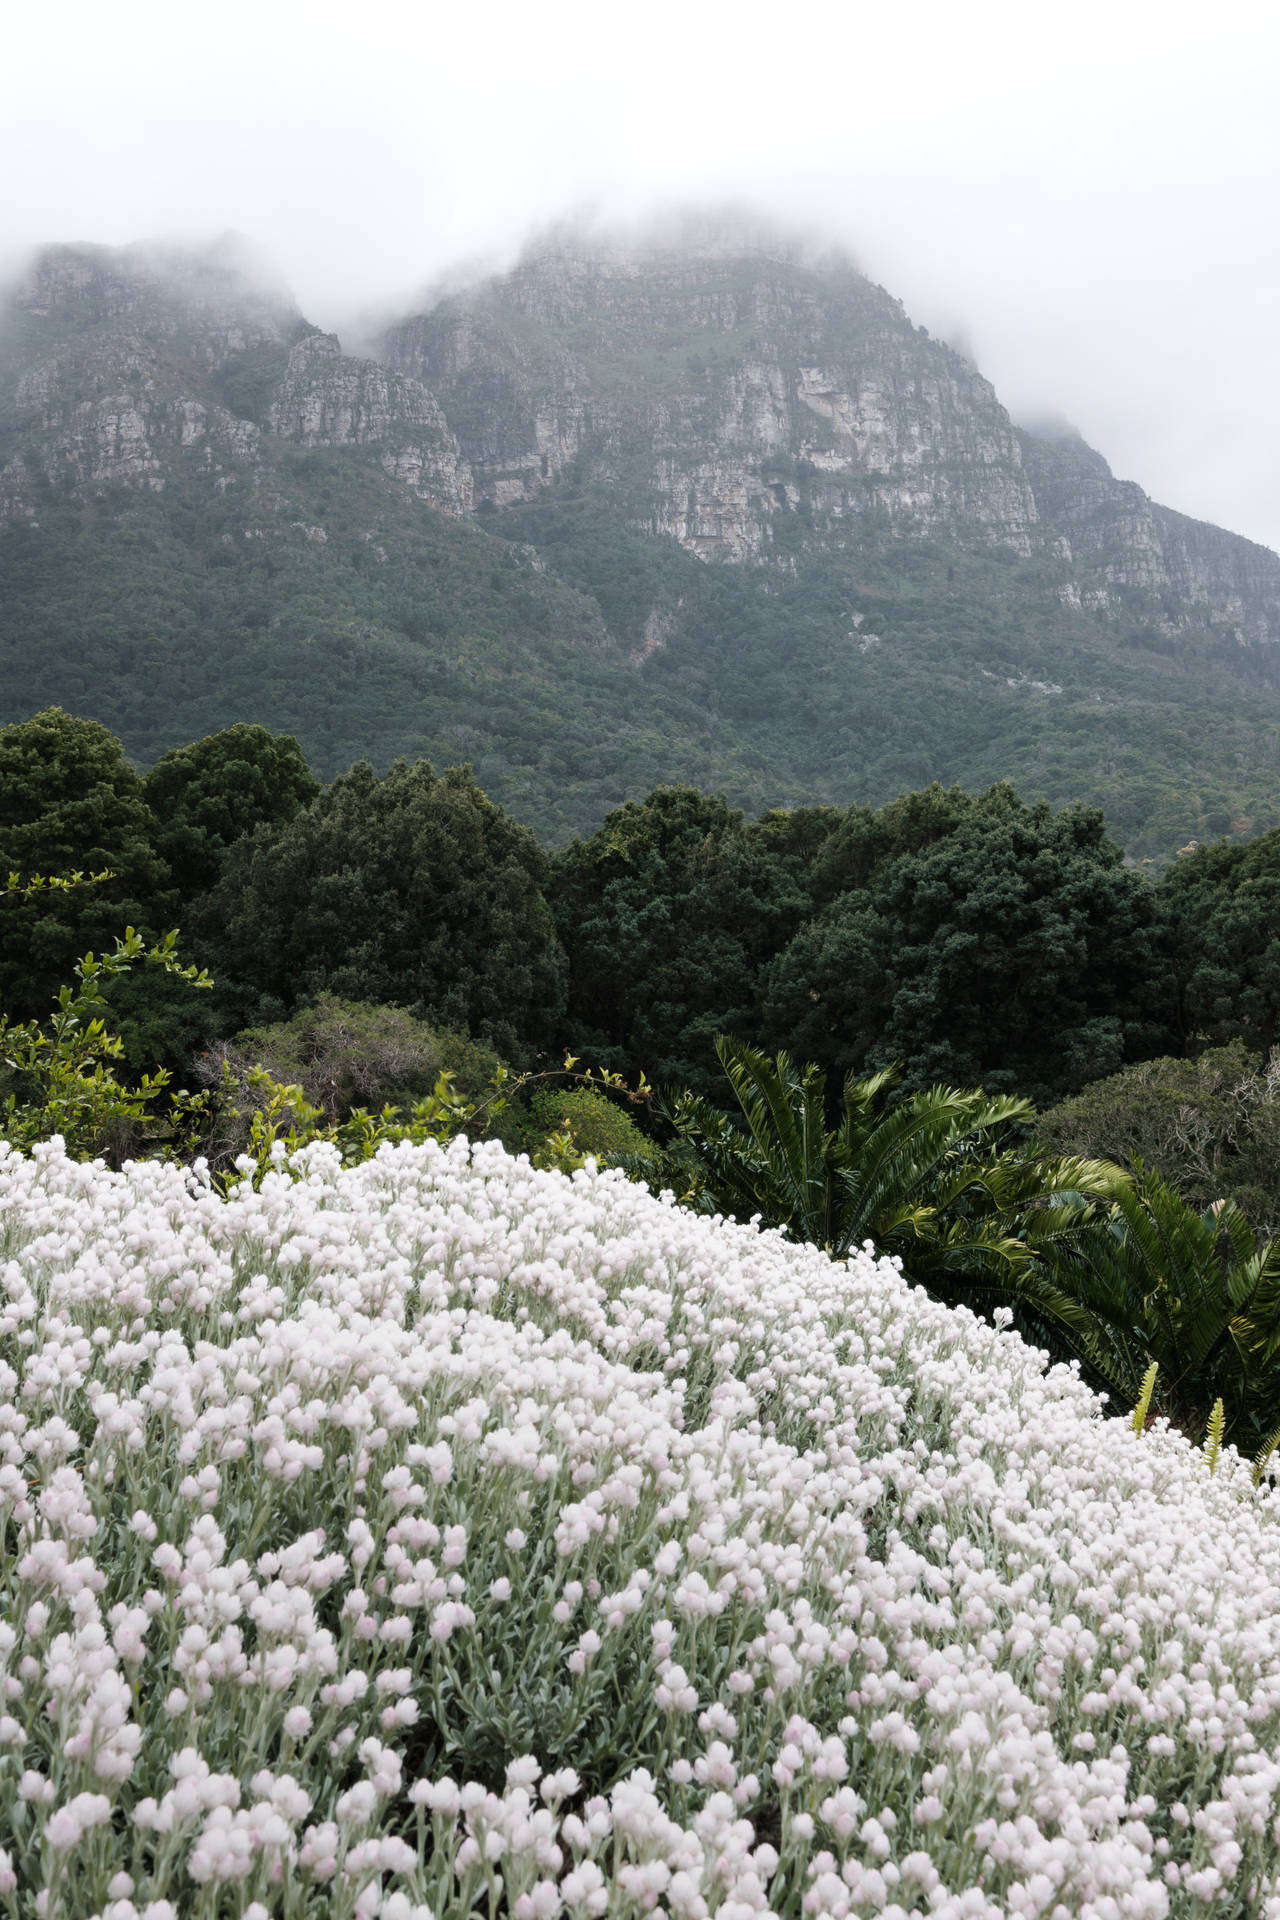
413	890
829	994
70	802
1222	904
1012	950
797	834
862	839
669	914
204	796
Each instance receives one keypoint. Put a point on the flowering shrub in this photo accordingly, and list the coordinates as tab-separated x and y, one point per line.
435	1535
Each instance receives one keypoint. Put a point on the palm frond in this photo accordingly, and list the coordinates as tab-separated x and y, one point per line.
785	1114
1213	1435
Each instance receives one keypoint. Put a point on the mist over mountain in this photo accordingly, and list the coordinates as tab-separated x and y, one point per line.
697	505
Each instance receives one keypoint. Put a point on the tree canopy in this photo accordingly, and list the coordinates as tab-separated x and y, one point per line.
69	801
1222	904
413	890
669	913
1008	948
204	796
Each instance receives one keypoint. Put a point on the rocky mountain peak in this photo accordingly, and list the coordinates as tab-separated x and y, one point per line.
756	400
784	539
737	391
122	365
80	290
730	387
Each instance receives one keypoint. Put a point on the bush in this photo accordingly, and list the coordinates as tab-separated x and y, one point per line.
392	1521
63	1075
1210	1126
345	1054
594	1124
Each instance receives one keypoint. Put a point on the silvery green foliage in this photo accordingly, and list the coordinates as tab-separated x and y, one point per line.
438	1535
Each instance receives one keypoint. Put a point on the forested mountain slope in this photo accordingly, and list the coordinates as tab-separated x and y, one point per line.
709	511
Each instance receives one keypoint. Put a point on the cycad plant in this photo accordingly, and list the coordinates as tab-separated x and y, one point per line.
926	1179
1193	1291
1116	1272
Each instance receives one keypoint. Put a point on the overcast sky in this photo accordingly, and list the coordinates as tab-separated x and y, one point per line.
1088	194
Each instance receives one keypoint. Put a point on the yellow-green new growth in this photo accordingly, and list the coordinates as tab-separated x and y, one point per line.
1213	1434
1143	1407
1263	1454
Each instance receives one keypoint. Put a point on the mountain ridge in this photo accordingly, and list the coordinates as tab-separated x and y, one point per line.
989	479
609	519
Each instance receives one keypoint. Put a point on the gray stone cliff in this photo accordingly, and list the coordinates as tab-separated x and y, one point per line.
750	402
756	403
130	366
724	389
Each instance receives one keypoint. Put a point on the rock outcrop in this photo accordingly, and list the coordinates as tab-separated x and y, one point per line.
1120	550
327	399
753	404
132	367
728	391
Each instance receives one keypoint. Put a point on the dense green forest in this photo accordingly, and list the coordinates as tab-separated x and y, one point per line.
971	939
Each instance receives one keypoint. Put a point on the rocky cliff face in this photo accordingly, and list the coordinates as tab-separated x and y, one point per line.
729	392
1116	543
133	367
754	405
748	403
326	399
712	511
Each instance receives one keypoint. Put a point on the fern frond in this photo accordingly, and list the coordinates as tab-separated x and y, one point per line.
1263	1454
1214	1433
1144	1398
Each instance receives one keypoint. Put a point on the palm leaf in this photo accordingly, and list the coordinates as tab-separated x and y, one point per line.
786	1117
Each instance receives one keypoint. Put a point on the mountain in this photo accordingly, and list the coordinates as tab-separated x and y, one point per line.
760	407
709	509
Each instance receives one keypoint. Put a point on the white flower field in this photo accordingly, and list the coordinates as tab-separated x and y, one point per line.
440	1537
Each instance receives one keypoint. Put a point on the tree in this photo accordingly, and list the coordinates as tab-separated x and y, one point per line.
797	833
414	890
59	1075
1012	950
863	839
69	801
1222	905
206	795
669	913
